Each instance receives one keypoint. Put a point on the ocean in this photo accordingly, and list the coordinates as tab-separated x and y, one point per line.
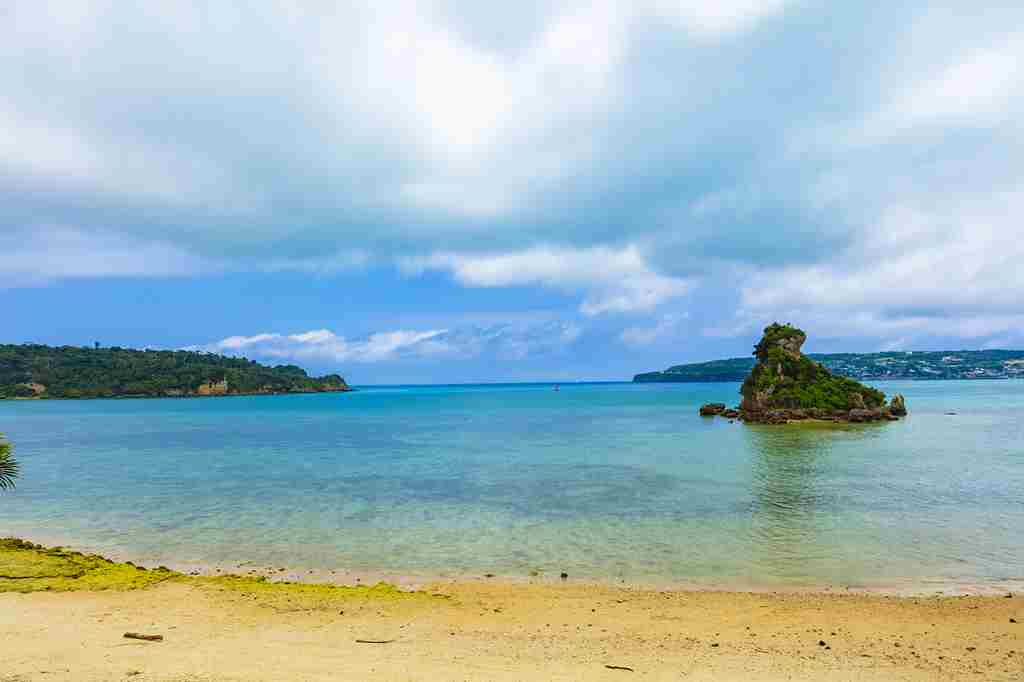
607	482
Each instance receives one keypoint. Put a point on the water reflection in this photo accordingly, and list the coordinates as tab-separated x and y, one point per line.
793	501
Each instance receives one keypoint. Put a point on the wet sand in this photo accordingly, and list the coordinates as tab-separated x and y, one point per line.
499	630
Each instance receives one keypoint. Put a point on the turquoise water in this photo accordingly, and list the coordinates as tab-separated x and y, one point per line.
605	481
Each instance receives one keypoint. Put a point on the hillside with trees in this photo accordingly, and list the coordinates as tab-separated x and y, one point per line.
37	371
949	364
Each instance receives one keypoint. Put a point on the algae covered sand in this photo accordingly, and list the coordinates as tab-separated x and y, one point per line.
26	567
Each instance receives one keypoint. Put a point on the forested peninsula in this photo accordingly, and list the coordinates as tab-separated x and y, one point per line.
37	371
948	364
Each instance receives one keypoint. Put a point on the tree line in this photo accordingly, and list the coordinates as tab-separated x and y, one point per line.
33	370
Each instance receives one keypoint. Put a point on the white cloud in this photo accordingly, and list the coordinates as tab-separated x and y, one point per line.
714	19
950	269
38	256
666	327
955	254
42	254
981	88
504	341
341	261
325	345
612	280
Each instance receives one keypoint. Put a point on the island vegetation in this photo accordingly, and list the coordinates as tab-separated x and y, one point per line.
786	385
37	371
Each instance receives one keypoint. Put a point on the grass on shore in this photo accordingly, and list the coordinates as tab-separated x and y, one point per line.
27	567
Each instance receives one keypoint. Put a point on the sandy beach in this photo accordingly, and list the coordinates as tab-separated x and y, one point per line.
489	629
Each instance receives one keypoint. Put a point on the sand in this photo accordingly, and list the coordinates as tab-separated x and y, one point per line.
502	630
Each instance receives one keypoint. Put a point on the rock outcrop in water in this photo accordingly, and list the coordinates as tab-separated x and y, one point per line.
785	385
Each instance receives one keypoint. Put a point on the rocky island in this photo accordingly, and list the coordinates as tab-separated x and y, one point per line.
785	385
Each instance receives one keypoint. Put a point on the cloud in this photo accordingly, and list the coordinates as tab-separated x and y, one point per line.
941	267
325	345
715	19
981	88
666	327
401	126
619	152
321	345
49	253
612	280
36	257
983	84
504	341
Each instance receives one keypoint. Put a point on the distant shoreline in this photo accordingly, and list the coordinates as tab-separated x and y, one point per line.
186	396
740	381
496	384
946	365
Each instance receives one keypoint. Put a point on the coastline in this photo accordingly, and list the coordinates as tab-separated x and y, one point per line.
183	396
414	580
227	629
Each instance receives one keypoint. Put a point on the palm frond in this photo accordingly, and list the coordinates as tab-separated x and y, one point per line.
8	466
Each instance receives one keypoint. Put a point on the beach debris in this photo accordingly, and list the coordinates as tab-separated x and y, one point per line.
620	667
564	575
374	641
146	638
1013	620
821	642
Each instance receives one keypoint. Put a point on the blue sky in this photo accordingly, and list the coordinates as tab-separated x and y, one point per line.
464	191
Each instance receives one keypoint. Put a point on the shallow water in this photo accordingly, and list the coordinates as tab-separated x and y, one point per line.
605	481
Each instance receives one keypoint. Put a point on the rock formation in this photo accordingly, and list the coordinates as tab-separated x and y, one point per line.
711	409
785	385
213	388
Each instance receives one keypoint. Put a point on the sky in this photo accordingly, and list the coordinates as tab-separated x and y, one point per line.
458	191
